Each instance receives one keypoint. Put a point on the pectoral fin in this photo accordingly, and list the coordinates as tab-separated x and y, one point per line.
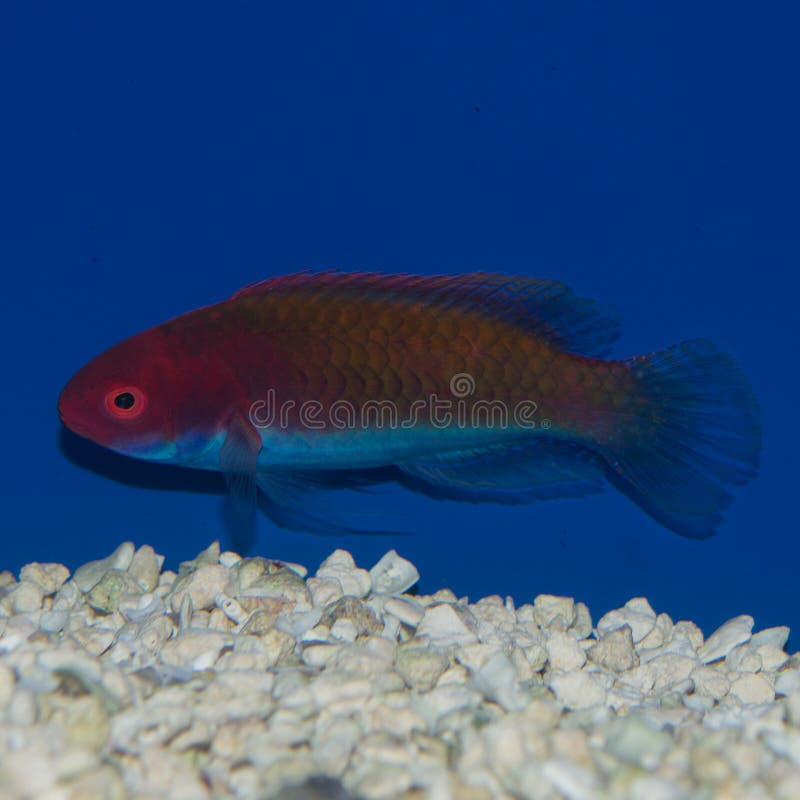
238	459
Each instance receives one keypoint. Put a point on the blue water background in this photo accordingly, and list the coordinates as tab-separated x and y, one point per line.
157	156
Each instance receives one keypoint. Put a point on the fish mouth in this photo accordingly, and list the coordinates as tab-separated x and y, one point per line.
68	420
74	414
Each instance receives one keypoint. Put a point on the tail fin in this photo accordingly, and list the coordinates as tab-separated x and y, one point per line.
699	434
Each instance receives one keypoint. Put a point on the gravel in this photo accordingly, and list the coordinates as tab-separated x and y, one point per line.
250	678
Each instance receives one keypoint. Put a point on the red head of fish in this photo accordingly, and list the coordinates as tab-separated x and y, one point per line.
144	397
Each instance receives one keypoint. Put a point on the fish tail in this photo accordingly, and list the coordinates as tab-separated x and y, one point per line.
697	432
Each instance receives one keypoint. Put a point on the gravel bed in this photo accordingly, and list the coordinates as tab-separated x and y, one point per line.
245	677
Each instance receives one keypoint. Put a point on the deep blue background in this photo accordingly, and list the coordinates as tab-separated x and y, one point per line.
157	156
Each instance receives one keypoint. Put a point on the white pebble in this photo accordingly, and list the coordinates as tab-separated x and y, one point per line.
201	586
614	650
772	658
391	628
319	633
751	688
678	645
298	569
638	741
547	608
393	574
7	685
142	608
339	560
571	780
340	566
409	612
297	623
344	630
743	659
196	650
53	621
700	703
734	632
26	597
443	626
21	709
16	632
372	656
324	590
776	637
659	635
320	655
145	567
473	656
49	577
788	682
443	700
89	575
497	681
577	690
786	744
421	667
376	780
636	614
710	681
564	652
660	674
582	626
231	608
228	558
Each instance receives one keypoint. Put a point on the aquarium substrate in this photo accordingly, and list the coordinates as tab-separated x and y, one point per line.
246	677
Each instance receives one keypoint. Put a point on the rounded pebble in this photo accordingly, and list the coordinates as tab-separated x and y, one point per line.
90	574
26	596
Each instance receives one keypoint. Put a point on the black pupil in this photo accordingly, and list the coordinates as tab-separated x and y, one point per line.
125	401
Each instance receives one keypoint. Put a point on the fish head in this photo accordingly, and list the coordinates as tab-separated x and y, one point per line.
124	399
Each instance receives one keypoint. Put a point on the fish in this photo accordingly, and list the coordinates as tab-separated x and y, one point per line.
478	387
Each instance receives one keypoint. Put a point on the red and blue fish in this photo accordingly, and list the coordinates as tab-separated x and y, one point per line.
481	387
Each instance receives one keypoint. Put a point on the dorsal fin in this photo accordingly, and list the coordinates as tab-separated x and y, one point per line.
545	308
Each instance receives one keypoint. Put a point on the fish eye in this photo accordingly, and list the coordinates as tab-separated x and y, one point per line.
125	402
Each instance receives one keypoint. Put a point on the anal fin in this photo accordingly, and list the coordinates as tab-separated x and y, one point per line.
302	500
522	472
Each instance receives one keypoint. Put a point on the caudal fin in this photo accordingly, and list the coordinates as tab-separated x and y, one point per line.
699	435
